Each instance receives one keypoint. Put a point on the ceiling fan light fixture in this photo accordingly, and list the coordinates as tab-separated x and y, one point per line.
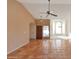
48	12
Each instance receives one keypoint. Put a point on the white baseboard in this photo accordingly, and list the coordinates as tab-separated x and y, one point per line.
17	48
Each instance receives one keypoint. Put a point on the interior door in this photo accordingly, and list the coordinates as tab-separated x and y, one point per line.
39	32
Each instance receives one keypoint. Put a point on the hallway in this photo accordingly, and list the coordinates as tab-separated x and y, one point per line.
43	49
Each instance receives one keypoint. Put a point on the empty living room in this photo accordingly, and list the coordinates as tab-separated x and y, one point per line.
38	29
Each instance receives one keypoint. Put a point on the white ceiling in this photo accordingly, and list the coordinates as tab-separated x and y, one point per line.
59	7
46	1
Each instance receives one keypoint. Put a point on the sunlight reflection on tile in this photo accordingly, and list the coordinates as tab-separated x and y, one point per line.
57	43
44	49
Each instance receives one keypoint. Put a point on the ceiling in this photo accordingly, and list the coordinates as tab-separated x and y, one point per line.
46	1
60	7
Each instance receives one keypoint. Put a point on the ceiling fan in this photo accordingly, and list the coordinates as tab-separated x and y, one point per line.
48	12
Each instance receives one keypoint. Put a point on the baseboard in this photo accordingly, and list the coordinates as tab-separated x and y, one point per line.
17	48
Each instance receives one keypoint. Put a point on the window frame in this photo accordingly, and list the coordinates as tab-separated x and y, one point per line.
62	24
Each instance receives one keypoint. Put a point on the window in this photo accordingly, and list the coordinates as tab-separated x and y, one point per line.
59	27
45	31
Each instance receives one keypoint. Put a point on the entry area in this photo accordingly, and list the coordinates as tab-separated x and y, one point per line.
40	30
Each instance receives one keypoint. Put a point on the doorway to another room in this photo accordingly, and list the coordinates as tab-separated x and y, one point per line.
46	32
42	32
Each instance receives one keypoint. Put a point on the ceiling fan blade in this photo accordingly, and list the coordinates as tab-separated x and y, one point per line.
54	14
49	12
43	12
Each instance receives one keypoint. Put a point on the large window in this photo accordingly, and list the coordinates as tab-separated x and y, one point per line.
59	27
